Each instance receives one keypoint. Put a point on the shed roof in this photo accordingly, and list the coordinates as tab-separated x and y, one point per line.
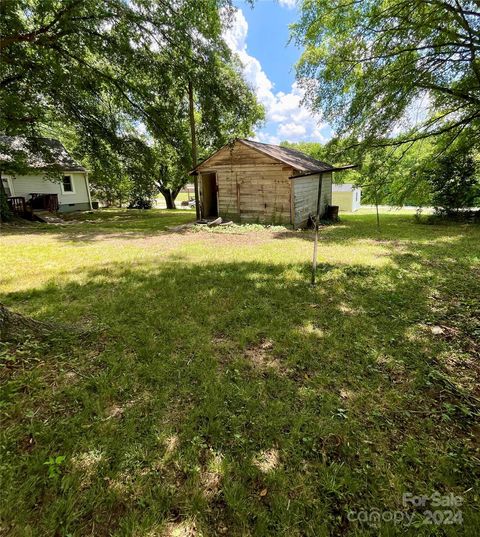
296	159
37	153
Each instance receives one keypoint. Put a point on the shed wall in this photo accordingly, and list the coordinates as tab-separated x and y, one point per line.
252	187
357	199
347	200
305	196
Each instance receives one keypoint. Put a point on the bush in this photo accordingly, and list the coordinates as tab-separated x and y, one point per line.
461	216
455	182
141	203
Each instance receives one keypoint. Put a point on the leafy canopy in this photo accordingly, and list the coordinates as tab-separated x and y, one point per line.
367	63
101	68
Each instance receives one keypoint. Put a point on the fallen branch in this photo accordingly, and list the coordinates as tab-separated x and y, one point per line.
215	222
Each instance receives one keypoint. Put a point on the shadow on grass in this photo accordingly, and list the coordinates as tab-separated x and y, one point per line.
132	224
232	398
97	225
393	227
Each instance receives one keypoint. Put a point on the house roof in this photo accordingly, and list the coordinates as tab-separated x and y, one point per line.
296	159
37	153
345	187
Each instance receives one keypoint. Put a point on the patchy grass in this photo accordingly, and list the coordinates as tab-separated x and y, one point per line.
217	393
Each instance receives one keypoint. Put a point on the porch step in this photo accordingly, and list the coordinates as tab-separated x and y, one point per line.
47	217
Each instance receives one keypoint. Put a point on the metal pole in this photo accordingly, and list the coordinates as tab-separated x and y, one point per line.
317	219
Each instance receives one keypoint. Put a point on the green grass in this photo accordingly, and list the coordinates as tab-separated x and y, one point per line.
217	393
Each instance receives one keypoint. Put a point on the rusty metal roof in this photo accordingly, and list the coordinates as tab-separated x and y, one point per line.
298	160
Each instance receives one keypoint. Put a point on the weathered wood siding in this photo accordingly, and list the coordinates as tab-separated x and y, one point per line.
252	186
305	196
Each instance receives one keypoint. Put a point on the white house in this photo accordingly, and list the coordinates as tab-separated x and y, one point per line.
346	196
48	175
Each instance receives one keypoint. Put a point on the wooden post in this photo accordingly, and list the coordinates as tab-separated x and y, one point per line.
194	145
376	207
5	212
317	219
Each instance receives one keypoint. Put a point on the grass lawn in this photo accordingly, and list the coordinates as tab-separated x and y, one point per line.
214	392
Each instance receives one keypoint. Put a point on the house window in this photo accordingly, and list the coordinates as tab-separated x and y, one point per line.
67	184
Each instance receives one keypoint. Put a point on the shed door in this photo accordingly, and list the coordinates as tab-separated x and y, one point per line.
209	195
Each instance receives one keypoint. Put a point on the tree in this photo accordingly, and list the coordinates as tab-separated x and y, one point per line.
98	64
367	64
153	168
455	180
108	178
387	175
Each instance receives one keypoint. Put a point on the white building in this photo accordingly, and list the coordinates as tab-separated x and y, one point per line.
49	176
346	196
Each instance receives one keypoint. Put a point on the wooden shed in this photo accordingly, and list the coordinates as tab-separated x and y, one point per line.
249	181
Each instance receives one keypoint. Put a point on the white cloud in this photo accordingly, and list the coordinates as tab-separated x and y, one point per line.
285	114
236	38
267	138
291	130
288	3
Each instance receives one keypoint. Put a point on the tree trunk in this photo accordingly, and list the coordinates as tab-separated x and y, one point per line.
13	325
194	145
169	198
170	194
5	212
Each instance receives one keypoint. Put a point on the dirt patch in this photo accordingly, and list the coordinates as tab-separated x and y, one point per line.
171	444
261	359
115	411
220	339
460	361
211	477
463	369
267	460
174	239
180	529
346	394
210	484
87	463
240	239
393	369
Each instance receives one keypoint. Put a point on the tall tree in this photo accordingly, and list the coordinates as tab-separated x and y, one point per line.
367	63
101	64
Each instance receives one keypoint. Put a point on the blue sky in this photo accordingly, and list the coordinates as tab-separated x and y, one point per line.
268	40
260	36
